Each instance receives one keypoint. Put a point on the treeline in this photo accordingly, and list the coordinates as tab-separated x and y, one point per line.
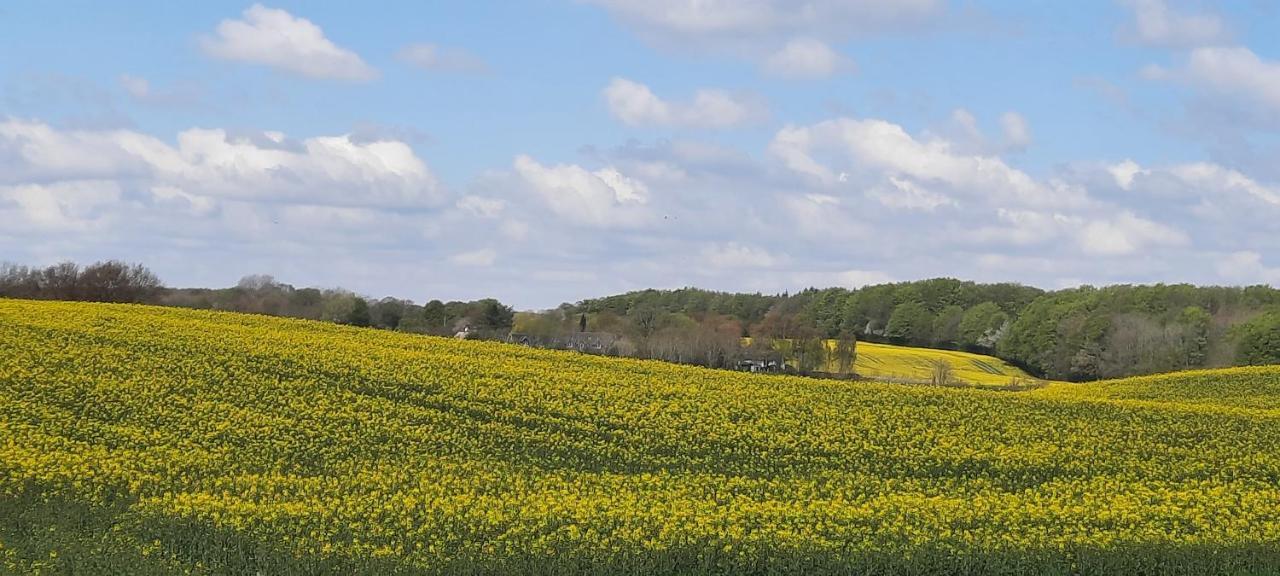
109	281
114	281
1076	334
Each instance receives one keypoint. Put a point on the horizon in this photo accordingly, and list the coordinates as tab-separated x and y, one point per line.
555	151
474	298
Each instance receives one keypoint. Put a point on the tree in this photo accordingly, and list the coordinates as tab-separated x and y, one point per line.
115	281
644	318
387	313
941	373
1195	338
256	282
846	353
1258	340
910	323
495	316
359	313
946	327
582	322
435	317
981	325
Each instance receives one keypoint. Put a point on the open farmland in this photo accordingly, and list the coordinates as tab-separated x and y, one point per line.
143	440
911	364
906	363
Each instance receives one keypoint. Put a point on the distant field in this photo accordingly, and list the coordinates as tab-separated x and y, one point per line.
1249	388
140	440
907	363
911	364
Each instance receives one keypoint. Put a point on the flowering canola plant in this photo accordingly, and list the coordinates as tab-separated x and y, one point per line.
144	440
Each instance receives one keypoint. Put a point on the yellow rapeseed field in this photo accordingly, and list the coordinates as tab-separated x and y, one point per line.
886	361
142	440
889	362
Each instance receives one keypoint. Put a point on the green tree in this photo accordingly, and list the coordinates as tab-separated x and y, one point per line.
1258	340
981	325
494	315
911	323
435	317
946	327
359	314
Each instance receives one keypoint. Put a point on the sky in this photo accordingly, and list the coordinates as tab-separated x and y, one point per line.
548	151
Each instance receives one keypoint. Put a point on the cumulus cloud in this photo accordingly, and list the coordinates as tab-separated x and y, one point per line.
278	39
906	194
1156	24
600	198
440	59
1124	173
1207	181
829	150
264	166
59	206
481	206
807	58
1212	177
1127	234
1246	266
635	104
1233	72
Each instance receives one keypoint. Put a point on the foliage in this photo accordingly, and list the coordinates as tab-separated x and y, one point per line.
1259	340
146	440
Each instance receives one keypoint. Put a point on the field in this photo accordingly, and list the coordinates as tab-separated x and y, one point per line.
888	362
141	440
905	363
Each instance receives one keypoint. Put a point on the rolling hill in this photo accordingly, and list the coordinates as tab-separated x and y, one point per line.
144	440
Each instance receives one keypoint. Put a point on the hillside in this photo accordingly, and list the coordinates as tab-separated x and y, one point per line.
889	362
143	440
1248	388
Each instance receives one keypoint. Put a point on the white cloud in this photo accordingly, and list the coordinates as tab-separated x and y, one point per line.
1125	172
902	193
1246	266
736	255
1210	182
884	149
1234	72
206	162
481	206
636	105
824	217
807	58
1127	234
1158	25
436	58
1215	178
61	206
604	197
482	258
278	39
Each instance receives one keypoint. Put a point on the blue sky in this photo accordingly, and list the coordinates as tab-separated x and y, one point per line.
547	151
